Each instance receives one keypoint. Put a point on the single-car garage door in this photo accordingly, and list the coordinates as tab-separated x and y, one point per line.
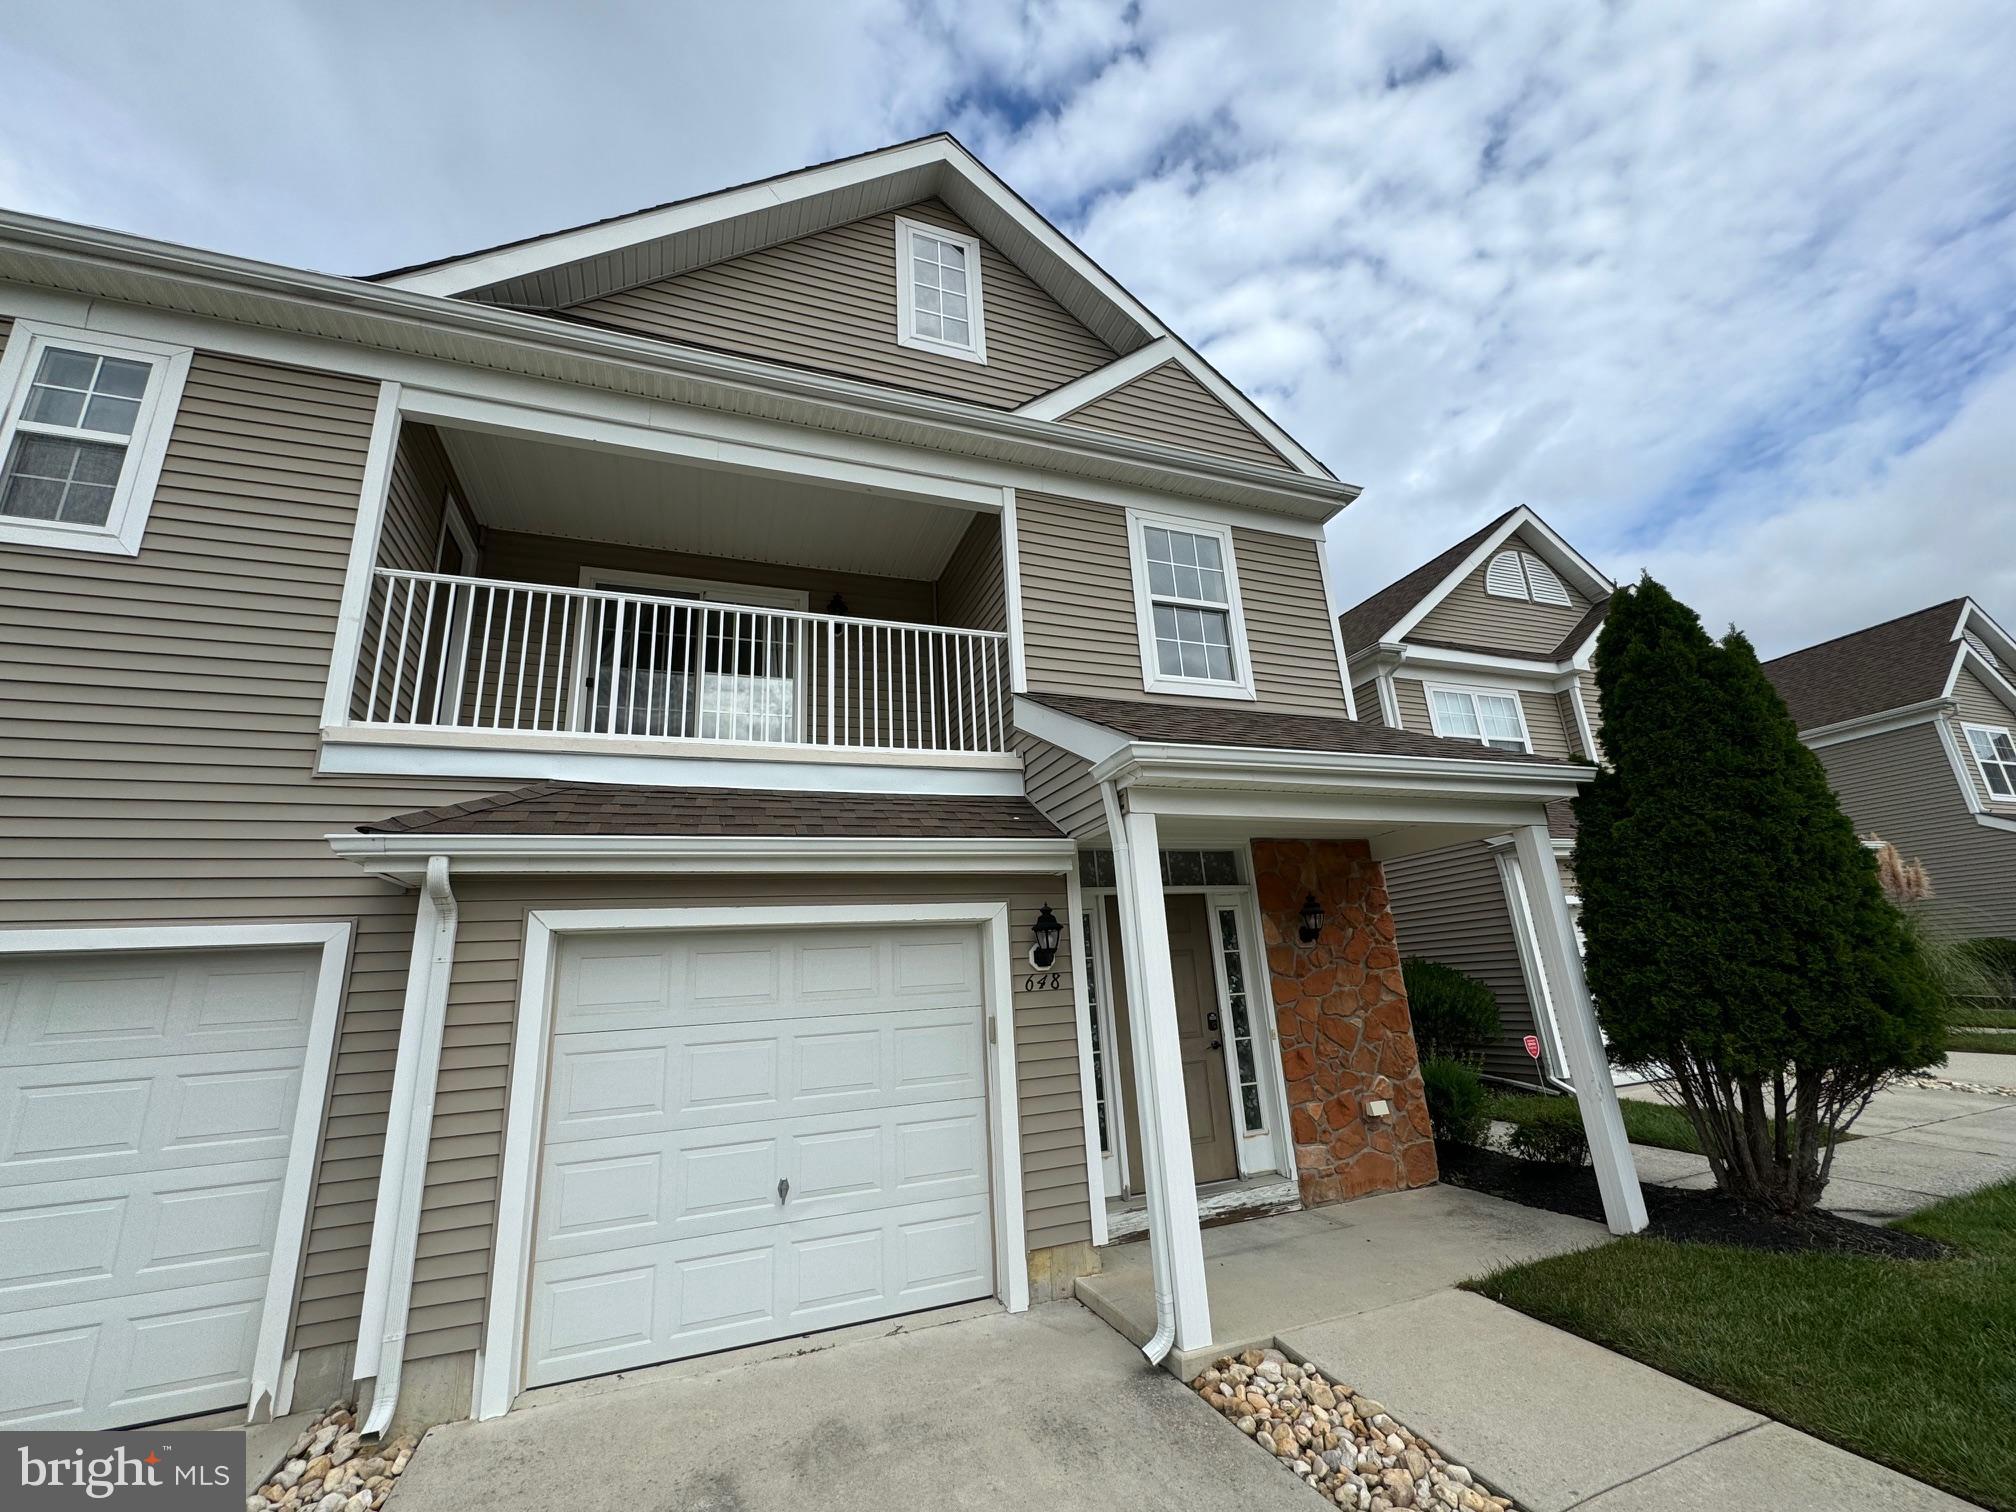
146	1110
755	1134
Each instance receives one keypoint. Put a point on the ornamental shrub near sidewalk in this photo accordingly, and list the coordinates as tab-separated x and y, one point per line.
1736	932
1457	1101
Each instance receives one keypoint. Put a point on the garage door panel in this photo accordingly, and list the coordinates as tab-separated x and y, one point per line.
791	1136
147	1110
140	1007
616	981
77	1122
648	1188
625	1308
678	1077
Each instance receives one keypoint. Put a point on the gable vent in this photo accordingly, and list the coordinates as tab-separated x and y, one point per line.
1541	582
1503	579
1981	647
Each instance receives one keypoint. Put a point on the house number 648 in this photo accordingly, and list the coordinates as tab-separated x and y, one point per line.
1043	981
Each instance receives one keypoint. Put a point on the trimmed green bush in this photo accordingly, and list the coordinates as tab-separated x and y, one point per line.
1545	1128
1454	1014
1456	1101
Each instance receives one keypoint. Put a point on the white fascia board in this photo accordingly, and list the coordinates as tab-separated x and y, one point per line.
1081	737
1882	723
1100	382
1441	661
380	326
1558	554
1150	772
403	858
1982	623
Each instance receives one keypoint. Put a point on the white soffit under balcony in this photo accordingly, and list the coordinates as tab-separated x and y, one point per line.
545	489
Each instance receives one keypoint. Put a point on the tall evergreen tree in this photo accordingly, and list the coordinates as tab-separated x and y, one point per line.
1736	932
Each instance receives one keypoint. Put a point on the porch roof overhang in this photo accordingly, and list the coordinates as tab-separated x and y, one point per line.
1312	776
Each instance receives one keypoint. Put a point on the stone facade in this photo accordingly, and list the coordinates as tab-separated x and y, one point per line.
1346	1037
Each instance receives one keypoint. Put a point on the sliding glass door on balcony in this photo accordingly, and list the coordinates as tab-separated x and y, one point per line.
696	661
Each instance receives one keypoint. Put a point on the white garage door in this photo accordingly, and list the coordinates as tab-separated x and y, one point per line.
146	1108
756	1134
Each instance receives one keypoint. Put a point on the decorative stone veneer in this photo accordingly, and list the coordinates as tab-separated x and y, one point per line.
1346	1037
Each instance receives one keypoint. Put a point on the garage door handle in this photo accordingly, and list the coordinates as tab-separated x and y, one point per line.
784	1189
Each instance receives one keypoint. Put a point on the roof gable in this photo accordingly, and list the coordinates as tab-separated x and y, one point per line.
1168	403
827	302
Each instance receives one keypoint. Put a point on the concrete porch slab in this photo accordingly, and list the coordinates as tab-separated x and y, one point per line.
1271	1275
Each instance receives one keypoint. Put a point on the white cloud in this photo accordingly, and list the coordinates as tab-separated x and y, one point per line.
1725	294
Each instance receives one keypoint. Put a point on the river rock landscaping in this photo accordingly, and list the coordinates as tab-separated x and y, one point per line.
331	1469
1344	1446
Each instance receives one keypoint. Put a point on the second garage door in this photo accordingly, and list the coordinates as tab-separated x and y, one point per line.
751	1135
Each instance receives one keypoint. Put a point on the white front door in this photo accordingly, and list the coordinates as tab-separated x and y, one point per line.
753	1134
146	1109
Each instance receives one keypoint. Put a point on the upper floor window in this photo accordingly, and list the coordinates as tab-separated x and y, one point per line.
938	306
1522	575
1995	754
1186	598
83	436
1492	719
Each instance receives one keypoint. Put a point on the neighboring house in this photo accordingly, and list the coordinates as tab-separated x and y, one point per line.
761	764
1915	721
1489	642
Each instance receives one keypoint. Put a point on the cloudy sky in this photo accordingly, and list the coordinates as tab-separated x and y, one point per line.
1726	292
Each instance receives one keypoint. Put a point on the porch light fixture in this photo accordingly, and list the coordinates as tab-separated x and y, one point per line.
1049	932
1312	919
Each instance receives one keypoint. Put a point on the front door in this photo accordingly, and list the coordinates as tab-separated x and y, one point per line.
1213	1148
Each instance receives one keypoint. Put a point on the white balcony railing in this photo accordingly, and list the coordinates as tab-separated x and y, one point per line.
457	653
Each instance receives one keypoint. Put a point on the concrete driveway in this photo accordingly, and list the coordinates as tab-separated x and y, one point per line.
1050	1409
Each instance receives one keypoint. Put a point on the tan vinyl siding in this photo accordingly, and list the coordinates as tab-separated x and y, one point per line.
1061	785
1365	696
458	1211
1078	627
1450	906
828	302
972	590
1412	700
162	716
1469	616
1976	704
1168	406
1900	786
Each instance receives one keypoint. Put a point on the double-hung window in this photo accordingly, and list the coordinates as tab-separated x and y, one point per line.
938	306
1995	753
1492	719
84	431
1186	594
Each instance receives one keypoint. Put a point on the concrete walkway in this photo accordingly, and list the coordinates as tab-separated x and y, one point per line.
1917	1145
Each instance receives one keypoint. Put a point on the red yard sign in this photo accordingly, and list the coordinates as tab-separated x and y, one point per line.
1533	1046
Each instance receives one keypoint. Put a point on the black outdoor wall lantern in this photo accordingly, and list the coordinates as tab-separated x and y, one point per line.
1312	919
1048	933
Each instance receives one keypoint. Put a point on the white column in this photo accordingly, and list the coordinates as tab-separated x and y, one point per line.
1158	1072
1554	932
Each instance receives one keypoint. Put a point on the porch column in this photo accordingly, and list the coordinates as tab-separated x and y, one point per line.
1561	956
1158	1071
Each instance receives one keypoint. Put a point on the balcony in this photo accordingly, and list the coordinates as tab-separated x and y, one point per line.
461	655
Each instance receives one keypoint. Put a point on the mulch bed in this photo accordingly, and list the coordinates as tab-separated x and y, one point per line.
1685	1217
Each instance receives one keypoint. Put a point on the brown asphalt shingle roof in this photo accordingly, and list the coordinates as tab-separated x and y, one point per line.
1222	725
1367	620
581	808
1888	666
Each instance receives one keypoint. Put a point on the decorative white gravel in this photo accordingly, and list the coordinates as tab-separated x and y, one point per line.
331	1469
1344	1446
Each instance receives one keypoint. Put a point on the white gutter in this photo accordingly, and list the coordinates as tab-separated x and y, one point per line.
395	1227
1164	1337
943	423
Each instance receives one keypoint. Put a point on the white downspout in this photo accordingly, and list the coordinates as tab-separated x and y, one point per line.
395	1231
1164	1337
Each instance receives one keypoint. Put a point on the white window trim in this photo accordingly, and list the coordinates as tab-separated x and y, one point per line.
1153	678
146	447
976	308
1430	689
1967	727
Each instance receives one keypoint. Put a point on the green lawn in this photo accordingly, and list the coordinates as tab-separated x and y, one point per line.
1985	1018
1981	1043
1912	1363
1647	1123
